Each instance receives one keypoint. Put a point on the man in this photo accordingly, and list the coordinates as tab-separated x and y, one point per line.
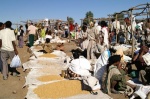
1	27
141	66
92	36
115	27
32	31
8	48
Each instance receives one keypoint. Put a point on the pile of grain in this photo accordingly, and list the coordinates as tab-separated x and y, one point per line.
48	55
49	78
60	89
46	62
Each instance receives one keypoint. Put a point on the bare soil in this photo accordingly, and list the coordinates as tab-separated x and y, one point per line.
12	88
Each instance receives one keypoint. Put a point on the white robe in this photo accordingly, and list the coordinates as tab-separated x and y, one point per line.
100	65
80	66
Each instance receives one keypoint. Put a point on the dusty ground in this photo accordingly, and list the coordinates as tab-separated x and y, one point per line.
12	88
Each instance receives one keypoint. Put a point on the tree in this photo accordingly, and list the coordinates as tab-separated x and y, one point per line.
70	19
119	16
88	17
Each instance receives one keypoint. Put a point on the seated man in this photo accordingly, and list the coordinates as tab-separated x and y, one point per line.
78	67
47	47
143	69
115	79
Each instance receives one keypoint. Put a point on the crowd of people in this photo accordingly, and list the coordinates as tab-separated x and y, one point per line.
94	56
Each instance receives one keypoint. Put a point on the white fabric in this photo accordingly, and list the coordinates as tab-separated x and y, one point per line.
92	82
115	25
98	28
100	65
80	66
105	34
140	25
48	36
122	46
127	58
146	58
57	40
59	53
66	27
84	44
7	36
140	90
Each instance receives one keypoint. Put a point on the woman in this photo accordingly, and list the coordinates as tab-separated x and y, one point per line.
21	41
100	65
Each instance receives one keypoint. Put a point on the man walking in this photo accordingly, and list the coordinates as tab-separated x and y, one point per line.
32	31
8	48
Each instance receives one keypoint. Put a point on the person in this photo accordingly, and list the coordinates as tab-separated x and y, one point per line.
32	31
66	30
115	79
92	36
115	27
49	35
1	28
47	46
21	41
8	48
100	65
42	34
104	33
79	67
84	43
142	68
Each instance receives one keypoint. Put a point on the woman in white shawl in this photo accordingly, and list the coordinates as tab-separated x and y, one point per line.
100	65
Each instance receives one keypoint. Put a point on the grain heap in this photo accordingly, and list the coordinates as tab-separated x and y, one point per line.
49	78
61	89
48	55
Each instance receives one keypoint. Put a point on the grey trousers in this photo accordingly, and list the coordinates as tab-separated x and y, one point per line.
1	65
91	49
5	55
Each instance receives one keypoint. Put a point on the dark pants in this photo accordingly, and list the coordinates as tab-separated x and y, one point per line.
31	40
66	33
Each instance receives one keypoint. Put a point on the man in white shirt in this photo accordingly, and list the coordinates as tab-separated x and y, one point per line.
32	31
115	27
8	48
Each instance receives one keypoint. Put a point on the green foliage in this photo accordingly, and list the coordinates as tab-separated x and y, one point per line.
70	19
120	16
88	17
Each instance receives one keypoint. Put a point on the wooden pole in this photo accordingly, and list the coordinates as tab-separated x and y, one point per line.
125	31
69	30
132	34
116	29
148	6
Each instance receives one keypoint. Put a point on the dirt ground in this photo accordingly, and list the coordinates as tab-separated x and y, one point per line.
12	88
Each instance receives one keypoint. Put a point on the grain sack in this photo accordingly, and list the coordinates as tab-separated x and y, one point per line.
49	78
49	55
61	89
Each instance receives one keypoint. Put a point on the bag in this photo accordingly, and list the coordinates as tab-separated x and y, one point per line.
91	84
16	62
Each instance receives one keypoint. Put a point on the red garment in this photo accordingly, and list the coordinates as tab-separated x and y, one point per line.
71	27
